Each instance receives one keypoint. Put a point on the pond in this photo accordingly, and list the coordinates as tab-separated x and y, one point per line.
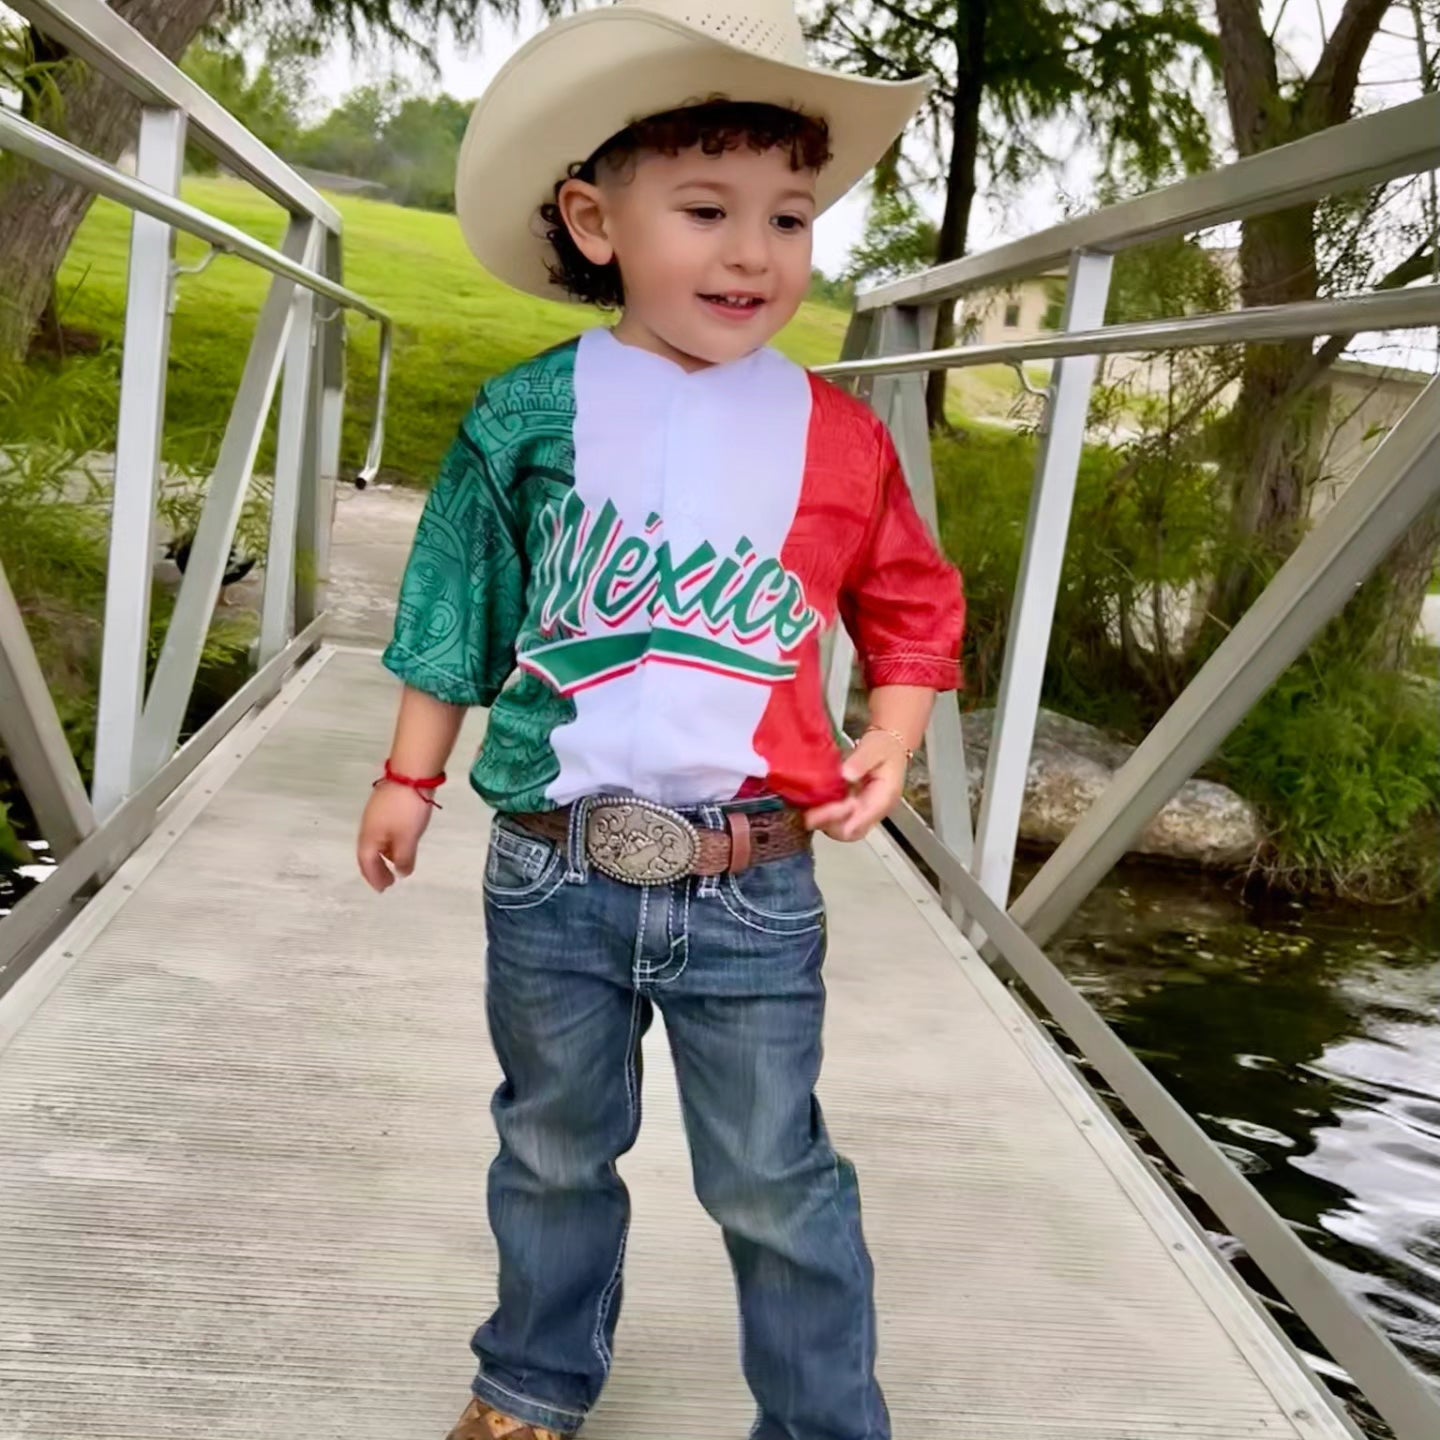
1306	1041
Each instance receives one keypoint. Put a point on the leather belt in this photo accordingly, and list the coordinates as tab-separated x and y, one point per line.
642	843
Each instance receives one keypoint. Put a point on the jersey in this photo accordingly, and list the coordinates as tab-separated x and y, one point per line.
633	566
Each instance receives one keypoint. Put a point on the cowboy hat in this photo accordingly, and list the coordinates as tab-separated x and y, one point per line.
584	79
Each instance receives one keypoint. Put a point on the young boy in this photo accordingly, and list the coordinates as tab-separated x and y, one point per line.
652	527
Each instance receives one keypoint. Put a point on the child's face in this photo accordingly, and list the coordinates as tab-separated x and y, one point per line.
714	249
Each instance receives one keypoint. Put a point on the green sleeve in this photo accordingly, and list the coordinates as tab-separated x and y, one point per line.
462	594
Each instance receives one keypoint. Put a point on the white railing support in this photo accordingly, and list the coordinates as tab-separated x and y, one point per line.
224	499
159	161
34	738
1037	584
295	455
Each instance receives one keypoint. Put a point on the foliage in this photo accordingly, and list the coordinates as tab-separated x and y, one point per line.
54	537
265	102
899	239
405	142
454	325
1124	69
31	79
1345	762
838	293
412	26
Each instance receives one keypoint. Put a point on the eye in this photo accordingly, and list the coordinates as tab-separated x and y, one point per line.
789	224
706	214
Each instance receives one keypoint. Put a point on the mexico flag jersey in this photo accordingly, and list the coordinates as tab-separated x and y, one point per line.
633	566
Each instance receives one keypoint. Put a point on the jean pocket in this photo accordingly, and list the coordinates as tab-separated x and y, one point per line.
521	869
780	897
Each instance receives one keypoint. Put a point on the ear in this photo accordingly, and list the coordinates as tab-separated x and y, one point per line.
586	217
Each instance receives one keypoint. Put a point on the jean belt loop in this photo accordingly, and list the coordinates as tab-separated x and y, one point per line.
577	861
713	818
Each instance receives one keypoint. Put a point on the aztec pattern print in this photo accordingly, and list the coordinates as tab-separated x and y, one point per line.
632	566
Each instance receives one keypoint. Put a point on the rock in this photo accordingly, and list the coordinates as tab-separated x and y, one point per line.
1072	763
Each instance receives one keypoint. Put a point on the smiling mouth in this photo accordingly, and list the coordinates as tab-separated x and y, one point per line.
740	303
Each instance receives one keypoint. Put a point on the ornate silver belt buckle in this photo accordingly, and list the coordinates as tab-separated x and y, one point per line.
639	842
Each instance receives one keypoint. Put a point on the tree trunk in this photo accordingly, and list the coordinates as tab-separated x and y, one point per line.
960	178
1274	430
39	212
1385	614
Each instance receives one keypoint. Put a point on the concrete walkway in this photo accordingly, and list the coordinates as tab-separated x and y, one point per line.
244	1136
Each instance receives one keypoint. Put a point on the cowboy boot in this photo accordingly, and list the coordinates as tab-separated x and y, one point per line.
481	1422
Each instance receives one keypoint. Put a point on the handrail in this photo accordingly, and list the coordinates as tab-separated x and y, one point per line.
97	35
1403	140
29	140
24	138
1371	310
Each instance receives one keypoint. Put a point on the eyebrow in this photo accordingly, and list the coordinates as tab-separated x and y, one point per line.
719	187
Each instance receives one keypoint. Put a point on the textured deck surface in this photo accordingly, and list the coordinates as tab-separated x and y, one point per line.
243	1139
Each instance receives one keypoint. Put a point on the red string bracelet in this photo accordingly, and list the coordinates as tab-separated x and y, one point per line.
423	788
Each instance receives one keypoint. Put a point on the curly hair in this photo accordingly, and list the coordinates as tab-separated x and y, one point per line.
715	127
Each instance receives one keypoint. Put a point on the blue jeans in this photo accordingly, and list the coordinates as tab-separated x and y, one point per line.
576	964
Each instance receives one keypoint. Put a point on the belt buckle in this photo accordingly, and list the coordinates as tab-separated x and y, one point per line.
639	842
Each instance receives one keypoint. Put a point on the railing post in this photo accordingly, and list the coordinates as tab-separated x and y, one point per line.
159	162
34	738
185	638
839	656
295	459
1037	584
317	504
900	402
912	329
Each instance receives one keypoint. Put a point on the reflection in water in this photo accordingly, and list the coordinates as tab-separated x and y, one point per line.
1307	1043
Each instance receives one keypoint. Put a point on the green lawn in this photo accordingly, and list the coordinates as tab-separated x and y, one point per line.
454	326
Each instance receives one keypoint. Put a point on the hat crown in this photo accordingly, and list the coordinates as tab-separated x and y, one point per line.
764	27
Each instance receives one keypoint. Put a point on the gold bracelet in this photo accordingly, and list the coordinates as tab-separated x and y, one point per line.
896	736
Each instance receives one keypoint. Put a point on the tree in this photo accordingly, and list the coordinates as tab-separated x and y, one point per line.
1005	67
1275	429
40	213
263	102
408	143
350	140
899	239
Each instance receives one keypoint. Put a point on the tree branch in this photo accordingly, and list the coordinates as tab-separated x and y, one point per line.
1252	86
908	17
1329	93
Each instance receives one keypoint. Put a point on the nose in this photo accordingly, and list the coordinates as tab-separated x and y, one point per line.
749	249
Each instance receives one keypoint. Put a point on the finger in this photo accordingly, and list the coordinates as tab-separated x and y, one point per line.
865	757
402	853
834	813
373	867
872	805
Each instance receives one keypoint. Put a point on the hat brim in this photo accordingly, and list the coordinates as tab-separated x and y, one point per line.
584	79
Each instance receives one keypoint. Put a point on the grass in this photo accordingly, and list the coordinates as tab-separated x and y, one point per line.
454	326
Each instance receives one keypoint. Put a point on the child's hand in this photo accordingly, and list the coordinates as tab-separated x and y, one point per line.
875	771
390	832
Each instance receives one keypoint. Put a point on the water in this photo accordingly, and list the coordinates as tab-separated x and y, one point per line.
1306	1041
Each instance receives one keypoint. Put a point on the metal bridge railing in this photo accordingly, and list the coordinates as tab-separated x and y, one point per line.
887	356
298	348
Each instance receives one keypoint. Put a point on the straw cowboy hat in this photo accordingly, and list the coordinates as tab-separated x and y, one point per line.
584	79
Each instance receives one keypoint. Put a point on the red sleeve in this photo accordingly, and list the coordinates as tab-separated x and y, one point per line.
902	601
